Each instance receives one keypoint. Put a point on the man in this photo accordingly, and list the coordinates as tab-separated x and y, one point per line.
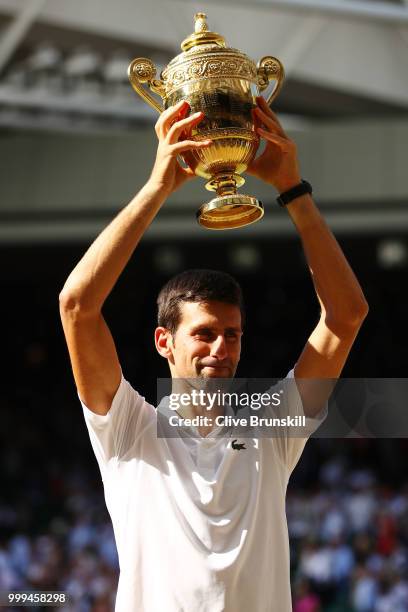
200	523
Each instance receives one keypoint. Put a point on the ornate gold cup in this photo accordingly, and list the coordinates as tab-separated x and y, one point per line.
222	83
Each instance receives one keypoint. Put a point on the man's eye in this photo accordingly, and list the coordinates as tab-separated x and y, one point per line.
203	333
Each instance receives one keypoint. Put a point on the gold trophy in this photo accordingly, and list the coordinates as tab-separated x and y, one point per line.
222	83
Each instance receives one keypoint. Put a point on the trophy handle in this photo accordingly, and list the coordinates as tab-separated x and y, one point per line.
143	70
270	69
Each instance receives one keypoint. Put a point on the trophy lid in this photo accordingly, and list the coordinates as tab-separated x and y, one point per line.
202	36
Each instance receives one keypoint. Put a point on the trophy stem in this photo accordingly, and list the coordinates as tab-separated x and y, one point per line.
226	186
225	183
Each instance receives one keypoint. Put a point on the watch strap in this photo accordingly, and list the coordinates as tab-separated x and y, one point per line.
295	192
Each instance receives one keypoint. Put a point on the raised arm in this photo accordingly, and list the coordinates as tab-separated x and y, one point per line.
342	303
92	351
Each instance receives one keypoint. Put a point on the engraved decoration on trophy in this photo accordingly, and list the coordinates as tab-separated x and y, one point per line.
222	83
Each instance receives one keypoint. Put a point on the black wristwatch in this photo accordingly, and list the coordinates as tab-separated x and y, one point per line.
298	190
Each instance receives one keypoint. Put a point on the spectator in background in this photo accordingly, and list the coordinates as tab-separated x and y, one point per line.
304	599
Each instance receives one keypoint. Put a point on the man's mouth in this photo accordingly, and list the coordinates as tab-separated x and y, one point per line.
216	369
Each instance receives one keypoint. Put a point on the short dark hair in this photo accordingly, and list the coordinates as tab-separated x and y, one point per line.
196	286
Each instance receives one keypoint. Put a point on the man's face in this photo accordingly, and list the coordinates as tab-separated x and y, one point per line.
207	343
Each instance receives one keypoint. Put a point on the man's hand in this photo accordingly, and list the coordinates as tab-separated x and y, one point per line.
278	164
173	130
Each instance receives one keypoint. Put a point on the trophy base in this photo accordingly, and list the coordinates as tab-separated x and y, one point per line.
229	212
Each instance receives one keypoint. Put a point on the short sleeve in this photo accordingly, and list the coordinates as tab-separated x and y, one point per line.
112	435
290	442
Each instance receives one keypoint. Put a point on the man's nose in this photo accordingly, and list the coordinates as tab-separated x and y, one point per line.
219	348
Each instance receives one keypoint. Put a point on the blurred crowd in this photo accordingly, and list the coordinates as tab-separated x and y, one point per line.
349	543
74	552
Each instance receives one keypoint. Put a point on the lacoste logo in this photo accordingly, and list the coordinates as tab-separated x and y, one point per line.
238	446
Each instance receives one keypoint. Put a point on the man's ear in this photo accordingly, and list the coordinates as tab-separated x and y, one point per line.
164	342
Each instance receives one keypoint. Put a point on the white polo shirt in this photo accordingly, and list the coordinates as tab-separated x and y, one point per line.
199	526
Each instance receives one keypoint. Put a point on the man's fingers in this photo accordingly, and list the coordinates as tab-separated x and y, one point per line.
284	143
266	108
187	145
173	110
269	122
267	115
169	115
178	127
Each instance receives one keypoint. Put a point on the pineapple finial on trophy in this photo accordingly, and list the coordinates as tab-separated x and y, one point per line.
200	24
202	34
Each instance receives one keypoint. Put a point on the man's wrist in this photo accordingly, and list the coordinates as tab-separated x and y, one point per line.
299	190
156	190
286	184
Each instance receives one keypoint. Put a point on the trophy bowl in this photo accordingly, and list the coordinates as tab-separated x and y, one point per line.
222	83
